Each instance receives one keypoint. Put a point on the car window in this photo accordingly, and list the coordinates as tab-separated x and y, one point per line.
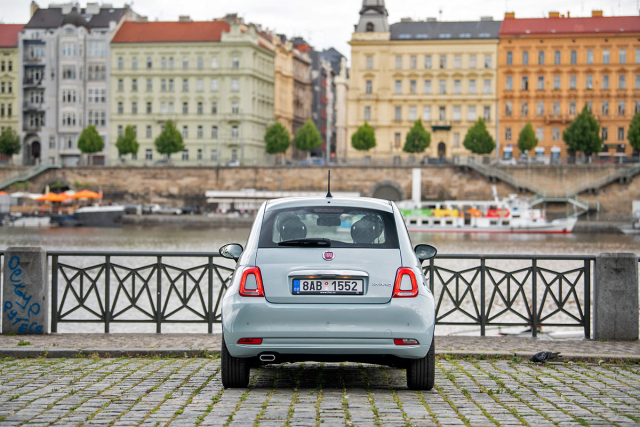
344	226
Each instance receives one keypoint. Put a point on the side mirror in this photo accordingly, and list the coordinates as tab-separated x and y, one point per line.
425	252
231	251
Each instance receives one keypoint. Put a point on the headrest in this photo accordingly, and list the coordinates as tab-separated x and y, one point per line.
290	227
367	229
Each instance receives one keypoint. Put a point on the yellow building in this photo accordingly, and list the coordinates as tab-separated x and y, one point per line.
443	73
283	83
9	70
550	68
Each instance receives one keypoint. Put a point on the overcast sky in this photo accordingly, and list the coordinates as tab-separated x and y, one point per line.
326	23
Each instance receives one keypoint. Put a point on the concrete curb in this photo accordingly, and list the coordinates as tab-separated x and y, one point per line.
57	353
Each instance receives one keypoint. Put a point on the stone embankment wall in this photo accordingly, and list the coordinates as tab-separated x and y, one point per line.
187	185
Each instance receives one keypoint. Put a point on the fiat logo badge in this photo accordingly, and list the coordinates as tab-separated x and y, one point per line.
328	256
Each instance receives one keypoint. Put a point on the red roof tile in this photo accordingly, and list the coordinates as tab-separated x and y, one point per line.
9	34
613	24
153	32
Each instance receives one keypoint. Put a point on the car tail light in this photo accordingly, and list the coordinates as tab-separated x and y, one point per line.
405	341
252	341
402	290
251	275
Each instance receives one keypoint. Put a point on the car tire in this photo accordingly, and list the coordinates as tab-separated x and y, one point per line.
421	372
235	371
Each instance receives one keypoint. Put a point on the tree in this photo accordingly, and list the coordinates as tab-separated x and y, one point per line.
170	140
90	141
418	139
478	139
583	134
527	139
9	142
127	143
307	138
634	132
277	139
364	139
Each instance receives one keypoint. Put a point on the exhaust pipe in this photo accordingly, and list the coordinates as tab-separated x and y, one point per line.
267	357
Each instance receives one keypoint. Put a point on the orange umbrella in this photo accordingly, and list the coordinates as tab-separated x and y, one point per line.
3	193
52	197
86	194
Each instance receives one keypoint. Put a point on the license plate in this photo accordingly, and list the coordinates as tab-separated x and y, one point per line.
328	286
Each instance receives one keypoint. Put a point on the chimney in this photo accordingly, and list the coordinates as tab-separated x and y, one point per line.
596	14
509	15
486	18
554	14
406	20
32	9
184	18
432	19
568	14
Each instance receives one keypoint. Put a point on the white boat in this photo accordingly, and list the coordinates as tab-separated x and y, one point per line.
509	215
100	216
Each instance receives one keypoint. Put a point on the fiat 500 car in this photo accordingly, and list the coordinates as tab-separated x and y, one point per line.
328	279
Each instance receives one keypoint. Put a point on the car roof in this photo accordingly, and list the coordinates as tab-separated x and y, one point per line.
356	202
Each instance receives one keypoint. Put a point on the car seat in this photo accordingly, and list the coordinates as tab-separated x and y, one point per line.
367	229
290	227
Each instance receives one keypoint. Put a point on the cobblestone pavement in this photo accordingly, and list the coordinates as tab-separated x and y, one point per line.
183	392
179	343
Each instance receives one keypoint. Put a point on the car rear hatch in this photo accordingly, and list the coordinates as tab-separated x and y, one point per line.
281	267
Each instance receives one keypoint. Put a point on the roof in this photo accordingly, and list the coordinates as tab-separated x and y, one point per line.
9	34
334	57
598	24
46	18
153	32
74	18
53	18
106	15
436	30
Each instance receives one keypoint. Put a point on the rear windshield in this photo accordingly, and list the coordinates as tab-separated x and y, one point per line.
345	227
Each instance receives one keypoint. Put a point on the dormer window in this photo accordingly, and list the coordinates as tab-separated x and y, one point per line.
68	30
370	27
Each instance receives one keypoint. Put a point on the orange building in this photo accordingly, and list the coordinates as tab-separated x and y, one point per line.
550	68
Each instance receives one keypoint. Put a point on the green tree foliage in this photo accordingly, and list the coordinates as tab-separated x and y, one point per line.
527	139
478	139
583	134
418	139
277	139
307	138
90	141
9	142
364	139
634	132
170	140
127	143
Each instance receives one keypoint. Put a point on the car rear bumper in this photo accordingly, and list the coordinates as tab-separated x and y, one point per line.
328	329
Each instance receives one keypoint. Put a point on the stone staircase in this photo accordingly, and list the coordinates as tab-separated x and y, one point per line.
26	175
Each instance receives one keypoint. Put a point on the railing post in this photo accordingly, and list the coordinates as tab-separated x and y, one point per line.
107	292
432	275
54	294
587	299
159	296
210	301
483	317
534	298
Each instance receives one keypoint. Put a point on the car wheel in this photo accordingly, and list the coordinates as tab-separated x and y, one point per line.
421	372
235	371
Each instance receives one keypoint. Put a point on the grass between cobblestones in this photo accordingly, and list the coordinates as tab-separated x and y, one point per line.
181	391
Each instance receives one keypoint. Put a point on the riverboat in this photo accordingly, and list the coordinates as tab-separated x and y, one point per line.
509	215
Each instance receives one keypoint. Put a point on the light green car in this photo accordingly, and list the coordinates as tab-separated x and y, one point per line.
328	279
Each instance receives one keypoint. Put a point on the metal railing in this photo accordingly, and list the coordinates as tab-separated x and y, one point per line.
123	287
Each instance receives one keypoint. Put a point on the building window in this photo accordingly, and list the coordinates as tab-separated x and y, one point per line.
413	87
457	113
556	108
185	131
413	113
443	61
185	63
524	109
171	62
507	134
509	58
605	133
52	142
556	57
163	85
214	62
525	83
199	132
148	154
235	62
540	133
185	108
589	82
472	86
605	56
573	82
556	82
620	134
120	108
369	87
200	63
398	87
185	155
457	87
170	85
214	155
442	113
541	57
427	62
622	82
621	108
637	108
234	132
413	62
396	139
148	131
572	108
487	86
398	113
443	86
120	63
214	85
426	114
540	108
163	62
235	108
134	85
120	130
235	85
185	85
471	116
637	81
605	82
487	61
574	57
367	113
589	57
163	107
199	107
605	108
508	108
149	85
457	61
398	62
525	58
555	134
199	154
427	85
148	108
214	132
487	114
369	62
134	108
214	108
456	140
472	61
199	87
540	83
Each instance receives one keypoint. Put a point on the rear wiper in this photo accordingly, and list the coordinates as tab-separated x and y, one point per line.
306	242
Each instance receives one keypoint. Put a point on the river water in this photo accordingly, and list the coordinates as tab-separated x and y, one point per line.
178	238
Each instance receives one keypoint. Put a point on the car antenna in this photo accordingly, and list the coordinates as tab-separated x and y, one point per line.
329	186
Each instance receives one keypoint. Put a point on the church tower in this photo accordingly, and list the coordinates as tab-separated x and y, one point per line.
373	17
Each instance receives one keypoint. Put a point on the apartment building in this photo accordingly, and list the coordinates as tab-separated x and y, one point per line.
550	68
213	79
443	73
9	70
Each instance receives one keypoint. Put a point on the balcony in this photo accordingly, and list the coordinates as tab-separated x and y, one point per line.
33	61
556	118
32	106
32	82
437	125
